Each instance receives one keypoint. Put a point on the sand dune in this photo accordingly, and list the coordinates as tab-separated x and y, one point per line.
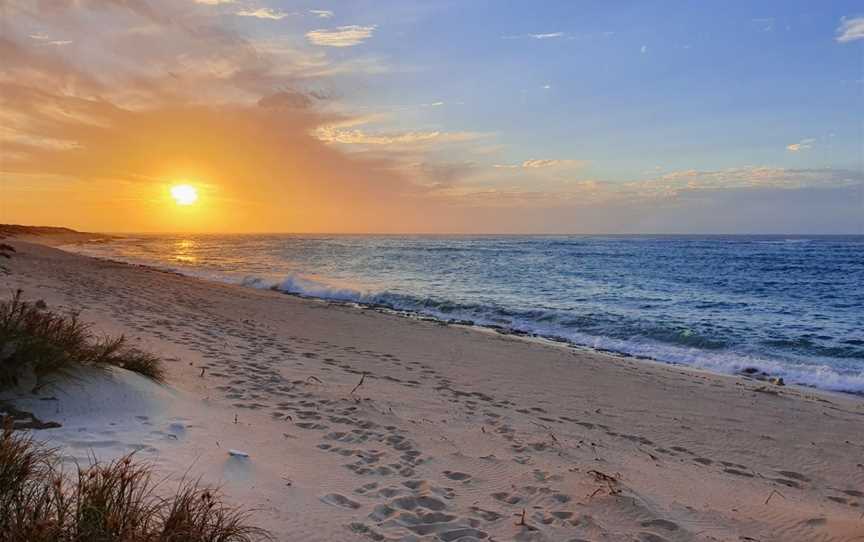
453	434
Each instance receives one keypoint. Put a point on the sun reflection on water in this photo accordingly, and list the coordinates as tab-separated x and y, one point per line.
184	251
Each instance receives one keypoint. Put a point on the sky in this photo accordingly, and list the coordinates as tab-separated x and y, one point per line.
409	116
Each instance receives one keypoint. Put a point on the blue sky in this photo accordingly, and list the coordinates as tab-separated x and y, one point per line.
714	88
484	115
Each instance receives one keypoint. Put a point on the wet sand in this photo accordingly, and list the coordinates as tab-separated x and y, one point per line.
361	425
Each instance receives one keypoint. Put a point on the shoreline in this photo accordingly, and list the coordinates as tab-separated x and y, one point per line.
750	372
362	425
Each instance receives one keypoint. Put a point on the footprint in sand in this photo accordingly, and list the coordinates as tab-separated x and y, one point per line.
457	476
738	472
311	426
794	475
662	523
507	498
341	501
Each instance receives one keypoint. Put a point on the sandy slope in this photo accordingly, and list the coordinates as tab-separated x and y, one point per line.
453	433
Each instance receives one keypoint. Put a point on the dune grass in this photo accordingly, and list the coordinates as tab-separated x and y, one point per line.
103	502
34	338
108	502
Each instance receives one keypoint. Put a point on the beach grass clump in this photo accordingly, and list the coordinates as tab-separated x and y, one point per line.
35	339
105	502
27	490
197	513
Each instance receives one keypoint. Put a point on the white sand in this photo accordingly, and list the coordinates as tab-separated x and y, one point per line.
454	431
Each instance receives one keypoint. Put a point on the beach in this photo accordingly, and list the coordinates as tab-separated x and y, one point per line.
354	424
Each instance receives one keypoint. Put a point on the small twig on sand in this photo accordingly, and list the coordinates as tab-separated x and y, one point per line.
773	491
362	379
521	522
315	378
549	431
610	481
202	372
235	418
602	476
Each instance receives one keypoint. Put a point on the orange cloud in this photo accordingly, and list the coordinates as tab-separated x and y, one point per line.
105	135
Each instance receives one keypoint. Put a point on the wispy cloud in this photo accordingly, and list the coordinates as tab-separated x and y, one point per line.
539	164
334	134
343	36
802	145
541	36
263	13
547	36
46	40
322	13
289	60
850	29
644	49
215	2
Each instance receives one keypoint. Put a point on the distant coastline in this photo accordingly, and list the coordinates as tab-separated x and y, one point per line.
53	235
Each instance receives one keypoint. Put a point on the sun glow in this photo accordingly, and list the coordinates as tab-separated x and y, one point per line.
184	194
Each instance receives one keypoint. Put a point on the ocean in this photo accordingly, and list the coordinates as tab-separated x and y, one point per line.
791	306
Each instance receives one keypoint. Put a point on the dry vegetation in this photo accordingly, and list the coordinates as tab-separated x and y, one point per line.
113	502
104	502
35	339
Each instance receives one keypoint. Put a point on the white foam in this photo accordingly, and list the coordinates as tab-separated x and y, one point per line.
298	284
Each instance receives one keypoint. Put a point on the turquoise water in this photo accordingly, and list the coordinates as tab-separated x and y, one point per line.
789	306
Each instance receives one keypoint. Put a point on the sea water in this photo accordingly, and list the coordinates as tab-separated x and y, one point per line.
791	306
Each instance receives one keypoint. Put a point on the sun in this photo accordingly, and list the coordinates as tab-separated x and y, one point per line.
184	194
